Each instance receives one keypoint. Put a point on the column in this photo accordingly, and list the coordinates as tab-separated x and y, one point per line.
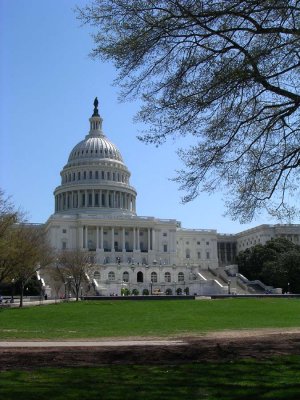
153	239
134	244
101	238
138	239
86	237
112	239
85	198
97	238
149	239
81	237
93	197
114	199
100	198
106	199
123	239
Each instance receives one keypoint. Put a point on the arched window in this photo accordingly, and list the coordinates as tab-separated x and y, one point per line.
97	276
125	276
187	253
111	276
140	277
167	277
153	277
180	277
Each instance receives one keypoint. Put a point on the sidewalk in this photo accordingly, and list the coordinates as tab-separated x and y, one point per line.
87	343
29	303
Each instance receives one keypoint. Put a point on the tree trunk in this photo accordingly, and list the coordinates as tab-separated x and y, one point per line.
21	294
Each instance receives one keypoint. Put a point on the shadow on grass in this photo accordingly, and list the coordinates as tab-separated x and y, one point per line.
278	378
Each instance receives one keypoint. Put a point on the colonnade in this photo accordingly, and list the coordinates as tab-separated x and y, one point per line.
95	198
226	252
116	238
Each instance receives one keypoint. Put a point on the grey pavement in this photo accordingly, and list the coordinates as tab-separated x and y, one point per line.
78	343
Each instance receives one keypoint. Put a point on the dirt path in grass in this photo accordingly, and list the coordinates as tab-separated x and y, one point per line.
214	346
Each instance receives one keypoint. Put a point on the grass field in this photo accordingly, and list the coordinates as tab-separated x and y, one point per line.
98	319
278	379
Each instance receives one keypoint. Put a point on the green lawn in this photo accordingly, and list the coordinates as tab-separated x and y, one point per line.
278	378
96	319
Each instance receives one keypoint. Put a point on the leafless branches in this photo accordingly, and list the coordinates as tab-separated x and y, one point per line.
224	72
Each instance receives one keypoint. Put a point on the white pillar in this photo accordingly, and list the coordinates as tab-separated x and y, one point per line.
97	238
86	237
138	239
153	239
112	239
149	239
101	238
81	237
134	242
123	239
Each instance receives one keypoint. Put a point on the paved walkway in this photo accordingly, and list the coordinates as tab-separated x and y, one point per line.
100	343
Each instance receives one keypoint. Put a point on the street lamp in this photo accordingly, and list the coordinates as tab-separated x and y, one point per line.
229	282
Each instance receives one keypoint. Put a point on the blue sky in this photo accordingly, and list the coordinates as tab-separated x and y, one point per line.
48	84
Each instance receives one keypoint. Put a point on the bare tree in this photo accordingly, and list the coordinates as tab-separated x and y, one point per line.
8	217
30	253
73	266
225	72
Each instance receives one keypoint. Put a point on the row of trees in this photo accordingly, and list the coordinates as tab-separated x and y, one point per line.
25	251
277	263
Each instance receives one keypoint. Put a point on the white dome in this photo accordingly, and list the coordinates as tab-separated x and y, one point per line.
95	146
95	177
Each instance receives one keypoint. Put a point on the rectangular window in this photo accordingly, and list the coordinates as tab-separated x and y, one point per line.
84	175
64	231
207	255
91	174
199	255
96	175
64	245
165	248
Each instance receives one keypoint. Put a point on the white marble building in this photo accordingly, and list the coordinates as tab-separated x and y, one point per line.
95	210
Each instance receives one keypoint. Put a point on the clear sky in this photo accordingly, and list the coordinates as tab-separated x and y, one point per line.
48	84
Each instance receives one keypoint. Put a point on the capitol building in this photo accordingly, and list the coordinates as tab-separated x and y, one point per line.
95	210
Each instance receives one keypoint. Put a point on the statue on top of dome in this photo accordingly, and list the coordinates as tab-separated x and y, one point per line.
96	113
